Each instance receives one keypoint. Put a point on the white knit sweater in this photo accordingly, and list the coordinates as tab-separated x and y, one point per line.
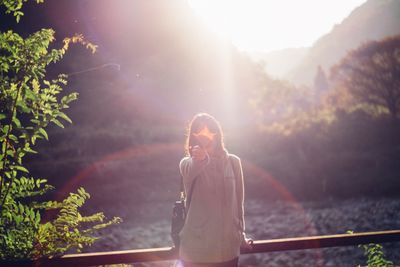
214	227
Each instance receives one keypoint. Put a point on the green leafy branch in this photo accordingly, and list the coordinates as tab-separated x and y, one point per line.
67	231
14	7
376	256
22	68
29	102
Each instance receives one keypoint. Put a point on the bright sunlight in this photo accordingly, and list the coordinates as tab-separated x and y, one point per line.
265	25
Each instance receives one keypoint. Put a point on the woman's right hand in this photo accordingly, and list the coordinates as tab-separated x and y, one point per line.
198	153
247	244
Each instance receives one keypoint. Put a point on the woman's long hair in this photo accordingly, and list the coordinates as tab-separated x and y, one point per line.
199	121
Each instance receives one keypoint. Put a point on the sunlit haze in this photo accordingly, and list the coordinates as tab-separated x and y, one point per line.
265	25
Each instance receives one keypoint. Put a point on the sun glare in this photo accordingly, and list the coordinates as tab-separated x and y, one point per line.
264	25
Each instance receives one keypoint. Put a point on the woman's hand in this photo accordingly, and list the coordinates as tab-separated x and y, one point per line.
247	244
198	153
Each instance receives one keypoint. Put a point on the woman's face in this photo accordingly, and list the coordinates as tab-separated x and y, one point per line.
206	138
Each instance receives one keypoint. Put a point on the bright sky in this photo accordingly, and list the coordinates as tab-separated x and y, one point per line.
265	25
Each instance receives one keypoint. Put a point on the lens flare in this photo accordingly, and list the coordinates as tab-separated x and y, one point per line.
205	132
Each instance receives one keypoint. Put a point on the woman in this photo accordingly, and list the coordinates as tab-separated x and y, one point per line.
214	229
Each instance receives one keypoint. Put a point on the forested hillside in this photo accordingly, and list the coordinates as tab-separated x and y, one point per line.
373	20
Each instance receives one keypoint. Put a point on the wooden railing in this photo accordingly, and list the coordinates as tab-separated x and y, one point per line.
168	253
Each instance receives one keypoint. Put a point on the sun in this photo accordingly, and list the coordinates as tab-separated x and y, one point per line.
251	25
266	25
225	18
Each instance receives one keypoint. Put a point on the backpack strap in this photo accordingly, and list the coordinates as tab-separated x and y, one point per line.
189	195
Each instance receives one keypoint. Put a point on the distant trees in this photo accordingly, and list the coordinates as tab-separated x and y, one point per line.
277	100
320	81
370	74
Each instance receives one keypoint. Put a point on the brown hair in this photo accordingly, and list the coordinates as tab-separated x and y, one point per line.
197	123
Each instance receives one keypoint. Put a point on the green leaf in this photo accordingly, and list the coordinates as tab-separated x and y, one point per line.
24	107
21	208
32	214
65	117
21	168
18	16
37	217
8	174
2	116
44	133
13	137
35	121
58	123
31	94
10	152
17	219
40	181
5	129
30	150
8	215
17	122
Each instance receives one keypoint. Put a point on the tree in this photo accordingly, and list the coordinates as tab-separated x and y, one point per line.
320	81
29	102
371	75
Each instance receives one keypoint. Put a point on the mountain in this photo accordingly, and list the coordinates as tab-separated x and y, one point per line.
374	20
278	63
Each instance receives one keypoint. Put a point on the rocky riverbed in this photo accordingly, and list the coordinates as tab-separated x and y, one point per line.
148	227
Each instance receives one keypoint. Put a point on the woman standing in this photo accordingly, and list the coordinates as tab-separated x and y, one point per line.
214	229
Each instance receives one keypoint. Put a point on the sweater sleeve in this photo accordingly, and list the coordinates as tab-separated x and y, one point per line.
240	194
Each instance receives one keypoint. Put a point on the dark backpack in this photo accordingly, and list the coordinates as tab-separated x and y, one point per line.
179	213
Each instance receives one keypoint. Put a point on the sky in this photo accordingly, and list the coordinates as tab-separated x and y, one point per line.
267	25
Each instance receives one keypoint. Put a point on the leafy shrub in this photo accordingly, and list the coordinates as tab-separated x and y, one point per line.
376	256
29	102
